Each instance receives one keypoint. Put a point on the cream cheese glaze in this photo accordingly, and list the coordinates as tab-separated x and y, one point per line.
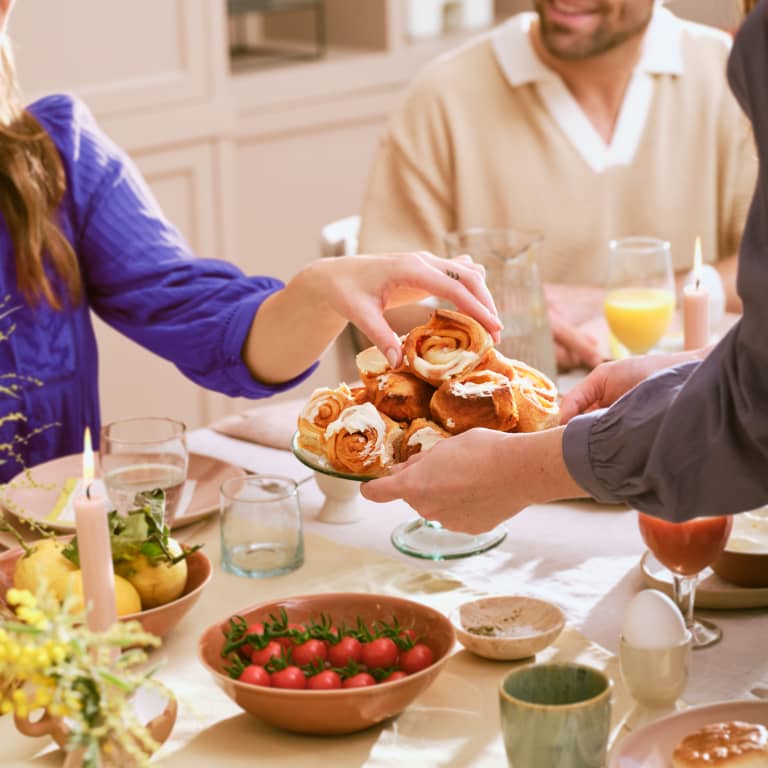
365	418
445	365
426	437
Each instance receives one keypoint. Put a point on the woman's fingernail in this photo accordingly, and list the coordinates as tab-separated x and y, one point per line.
393	357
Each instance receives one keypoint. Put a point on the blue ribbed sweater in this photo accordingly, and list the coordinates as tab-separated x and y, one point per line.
140	277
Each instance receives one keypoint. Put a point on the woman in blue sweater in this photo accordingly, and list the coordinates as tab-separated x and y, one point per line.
79	230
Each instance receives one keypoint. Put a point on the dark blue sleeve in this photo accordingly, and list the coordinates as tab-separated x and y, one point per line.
140	275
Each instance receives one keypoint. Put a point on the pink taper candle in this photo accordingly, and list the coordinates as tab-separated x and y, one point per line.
696	307
94	549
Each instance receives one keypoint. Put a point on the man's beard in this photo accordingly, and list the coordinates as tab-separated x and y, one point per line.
572	47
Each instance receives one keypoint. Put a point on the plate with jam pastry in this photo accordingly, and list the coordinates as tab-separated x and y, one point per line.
451	379
730	734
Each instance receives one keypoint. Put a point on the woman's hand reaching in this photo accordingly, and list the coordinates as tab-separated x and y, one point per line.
294	326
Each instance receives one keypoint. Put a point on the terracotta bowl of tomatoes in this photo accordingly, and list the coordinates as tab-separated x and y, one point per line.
328	663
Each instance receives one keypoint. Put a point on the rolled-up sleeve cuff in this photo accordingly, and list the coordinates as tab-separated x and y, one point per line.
236	331
576	453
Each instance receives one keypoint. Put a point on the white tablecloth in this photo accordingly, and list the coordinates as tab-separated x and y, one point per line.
580	555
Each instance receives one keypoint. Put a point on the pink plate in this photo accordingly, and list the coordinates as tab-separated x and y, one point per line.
652	745
55	477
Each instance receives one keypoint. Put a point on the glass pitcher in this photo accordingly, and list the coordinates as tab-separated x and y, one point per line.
510	258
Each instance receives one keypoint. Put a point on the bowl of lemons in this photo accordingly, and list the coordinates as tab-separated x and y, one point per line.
157	581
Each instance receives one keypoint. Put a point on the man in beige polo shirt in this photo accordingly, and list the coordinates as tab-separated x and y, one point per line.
586	120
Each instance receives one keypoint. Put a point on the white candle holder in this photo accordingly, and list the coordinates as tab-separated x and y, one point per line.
341	499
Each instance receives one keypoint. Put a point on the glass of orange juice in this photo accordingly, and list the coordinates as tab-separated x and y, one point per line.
640	298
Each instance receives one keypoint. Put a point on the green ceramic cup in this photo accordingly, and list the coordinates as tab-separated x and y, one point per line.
555	716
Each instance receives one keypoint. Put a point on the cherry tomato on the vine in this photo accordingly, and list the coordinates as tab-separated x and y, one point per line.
381	652
327	680
309	652
255	675
289	642
257	628
360	680
271	650
417	658
290	677
346	650
398	674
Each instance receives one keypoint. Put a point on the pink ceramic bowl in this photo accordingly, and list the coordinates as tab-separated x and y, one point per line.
335	711
159	621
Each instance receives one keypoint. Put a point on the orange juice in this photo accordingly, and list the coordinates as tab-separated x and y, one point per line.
638	317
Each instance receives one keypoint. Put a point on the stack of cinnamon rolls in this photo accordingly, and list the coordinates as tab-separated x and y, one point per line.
451	379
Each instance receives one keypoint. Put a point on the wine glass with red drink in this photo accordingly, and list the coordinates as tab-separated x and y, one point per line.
686	549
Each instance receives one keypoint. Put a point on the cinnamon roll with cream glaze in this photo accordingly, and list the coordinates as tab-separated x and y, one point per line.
476	399
324	406
419	436
401	396
449	345
397	393
362	441
535	394
371	363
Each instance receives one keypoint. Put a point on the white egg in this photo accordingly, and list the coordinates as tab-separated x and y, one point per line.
652	620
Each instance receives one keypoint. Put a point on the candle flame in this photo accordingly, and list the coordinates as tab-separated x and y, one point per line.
697	268
88	468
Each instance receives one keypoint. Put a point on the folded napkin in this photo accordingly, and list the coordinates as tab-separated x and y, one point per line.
272	425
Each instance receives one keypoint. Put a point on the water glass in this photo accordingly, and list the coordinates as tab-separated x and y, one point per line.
510	258
261	533
143	454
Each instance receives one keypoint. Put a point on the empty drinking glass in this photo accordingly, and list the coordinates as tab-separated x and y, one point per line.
261	532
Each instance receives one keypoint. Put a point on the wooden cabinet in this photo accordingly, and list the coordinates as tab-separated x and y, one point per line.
249	162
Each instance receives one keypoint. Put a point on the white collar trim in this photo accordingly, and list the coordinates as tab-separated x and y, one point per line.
511	41
662	54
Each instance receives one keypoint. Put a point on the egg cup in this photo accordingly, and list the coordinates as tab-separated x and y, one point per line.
655	677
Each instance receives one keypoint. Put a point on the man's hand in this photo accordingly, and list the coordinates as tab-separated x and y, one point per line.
609	381
574	311
476	480
574	347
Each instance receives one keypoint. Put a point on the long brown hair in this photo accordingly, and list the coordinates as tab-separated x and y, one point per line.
32	185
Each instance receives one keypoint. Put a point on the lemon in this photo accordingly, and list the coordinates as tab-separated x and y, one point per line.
157	583
127	599
45	565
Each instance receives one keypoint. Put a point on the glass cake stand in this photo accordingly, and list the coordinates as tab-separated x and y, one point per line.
418	538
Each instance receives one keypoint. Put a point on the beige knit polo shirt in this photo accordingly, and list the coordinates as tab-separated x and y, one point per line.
468	148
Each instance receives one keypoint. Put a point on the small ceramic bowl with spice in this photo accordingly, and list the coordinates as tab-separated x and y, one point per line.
507	627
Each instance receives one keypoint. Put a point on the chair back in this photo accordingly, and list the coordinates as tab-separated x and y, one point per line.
339	238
